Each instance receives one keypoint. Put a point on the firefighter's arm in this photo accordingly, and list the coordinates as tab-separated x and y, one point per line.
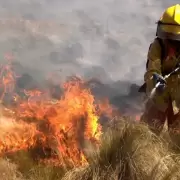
153	65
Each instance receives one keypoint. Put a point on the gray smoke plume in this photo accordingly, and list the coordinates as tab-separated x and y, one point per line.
104	39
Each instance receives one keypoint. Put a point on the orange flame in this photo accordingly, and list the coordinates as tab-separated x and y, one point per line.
64	124
16	135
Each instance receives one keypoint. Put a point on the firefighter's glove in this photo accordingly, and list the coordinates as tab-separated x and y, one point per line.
160	83
160	88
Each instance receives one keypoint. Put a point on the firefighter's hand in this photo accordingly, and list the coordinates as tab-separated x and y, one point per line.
157	78
160	88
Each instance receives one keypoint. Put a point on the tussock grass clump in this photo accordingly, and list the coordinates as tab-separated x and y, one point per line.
130	151
9	170
33	170
42	172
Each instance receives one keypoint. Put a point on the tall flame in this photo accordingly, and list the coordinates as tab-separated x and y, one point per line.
63	125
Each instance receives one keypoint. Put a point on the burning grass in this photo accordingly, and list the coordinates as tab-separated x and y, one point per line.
60	126
128	150
54	132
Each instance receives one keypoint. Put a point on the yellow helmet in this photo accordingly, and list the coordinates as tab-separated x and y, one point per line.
169	24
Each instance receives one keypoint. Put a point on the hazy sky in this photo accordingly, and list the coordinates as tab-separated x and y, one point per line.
107	39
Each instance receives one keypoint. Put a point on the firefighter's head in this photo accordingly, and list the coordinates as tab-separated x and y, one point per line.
168	27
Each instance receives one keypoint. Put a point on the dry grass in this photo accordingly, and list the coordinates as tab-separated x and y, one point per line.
9	171
21	167
129	151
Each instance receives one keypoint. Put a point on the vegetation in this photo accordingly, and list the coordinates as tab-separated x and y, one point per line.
129	151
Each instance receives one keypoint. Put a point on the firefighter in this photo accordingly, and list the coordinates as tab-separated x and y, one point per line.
163	56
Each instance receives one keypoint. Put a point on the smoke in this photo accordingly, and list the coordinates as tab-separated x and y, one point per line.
104	39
